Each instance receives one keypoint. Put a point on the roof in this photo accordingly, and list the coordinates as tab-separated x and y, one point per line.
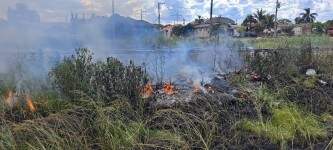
204	25
221	20
215	20
168	27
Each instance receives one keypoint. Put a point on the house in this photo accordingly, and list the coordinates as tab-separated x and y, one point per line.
285	28
302	29
330	31
203	28
167	30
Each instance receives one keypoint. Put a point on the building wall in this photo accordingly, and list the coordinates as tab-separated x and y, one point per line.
303	29
298	31
201	33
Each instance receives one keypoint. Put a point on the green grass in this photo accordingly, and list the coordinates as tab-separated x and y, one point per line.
287	123
7	140
290	42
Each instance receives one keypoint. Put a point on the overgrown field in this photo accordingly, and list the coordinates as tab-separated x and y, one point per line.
281	99
321	41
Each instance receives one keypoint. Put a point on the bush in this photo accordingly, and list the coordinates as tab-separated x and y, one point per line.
74	73
106	81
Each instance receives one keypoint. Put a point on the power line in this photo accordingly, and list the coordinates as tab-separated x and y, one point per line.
177	15
140	13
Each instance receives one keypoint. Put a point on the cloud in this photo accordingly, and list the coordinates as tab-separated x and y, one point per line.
59	10
88	4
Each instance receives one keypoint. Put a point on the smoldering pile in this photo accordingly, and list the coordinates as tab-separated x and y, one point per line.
167	94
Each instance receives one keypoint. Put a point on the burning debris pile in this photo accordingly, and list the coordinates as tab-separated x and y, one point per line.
169	93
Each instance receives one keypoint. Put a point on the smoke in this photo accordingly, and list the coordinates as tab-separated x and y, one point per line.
30	48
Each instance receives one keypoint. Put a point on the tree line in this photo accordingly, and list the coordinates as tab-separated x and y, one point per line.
260	20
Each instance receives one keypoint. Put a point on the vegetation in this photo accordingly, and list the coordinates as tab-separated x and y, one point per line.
286	124
180	31
290	42
99	105
306	17
259	21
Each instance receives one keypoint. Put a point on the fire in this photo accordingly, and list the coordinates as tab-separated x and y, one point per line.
13	99
168	89
30	104
147	90
10	98
196	88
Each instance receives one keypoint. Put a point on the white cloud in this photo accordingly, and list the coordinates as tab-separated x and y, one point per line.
236	9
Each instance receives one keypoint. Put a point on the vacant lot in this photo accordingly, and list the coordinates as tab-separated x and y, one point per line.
282	98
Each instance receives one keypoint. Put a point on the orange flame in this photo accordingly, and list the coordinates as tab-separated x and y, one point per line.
30	104
9	98
168	89
147	90
196	88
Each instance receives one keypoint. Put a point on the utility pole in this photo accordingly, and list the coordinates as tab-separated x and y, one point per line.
159	4
113	7
278	5
211	11
177	16
141	14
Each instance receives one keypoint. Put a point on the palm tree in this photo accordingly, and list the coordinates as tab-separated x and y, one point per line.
199	20
298	20
307	17
249	21
260	15
269	21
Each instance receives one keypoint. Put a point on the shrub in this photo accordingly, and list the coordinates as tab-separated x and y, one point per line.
112	80
106	81
74	73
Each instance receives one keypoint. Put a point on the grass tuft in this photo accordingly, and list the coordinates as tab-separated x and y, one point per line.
288	123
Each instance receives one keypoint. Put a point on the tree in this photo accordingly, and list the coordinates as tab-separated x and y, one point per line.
199	20
318	27
306	17
328	24
269	21
298	20
182	30
249	21
260	15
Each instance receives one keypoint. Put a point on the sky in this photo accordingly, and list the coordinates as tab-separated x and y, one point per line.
59	10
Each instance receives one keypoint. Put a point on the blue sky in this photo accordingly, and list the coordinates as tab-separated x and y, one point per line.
59	10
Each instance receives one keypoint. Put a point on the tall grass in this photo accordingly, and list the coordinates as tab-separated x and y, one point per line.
290	42
288	123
